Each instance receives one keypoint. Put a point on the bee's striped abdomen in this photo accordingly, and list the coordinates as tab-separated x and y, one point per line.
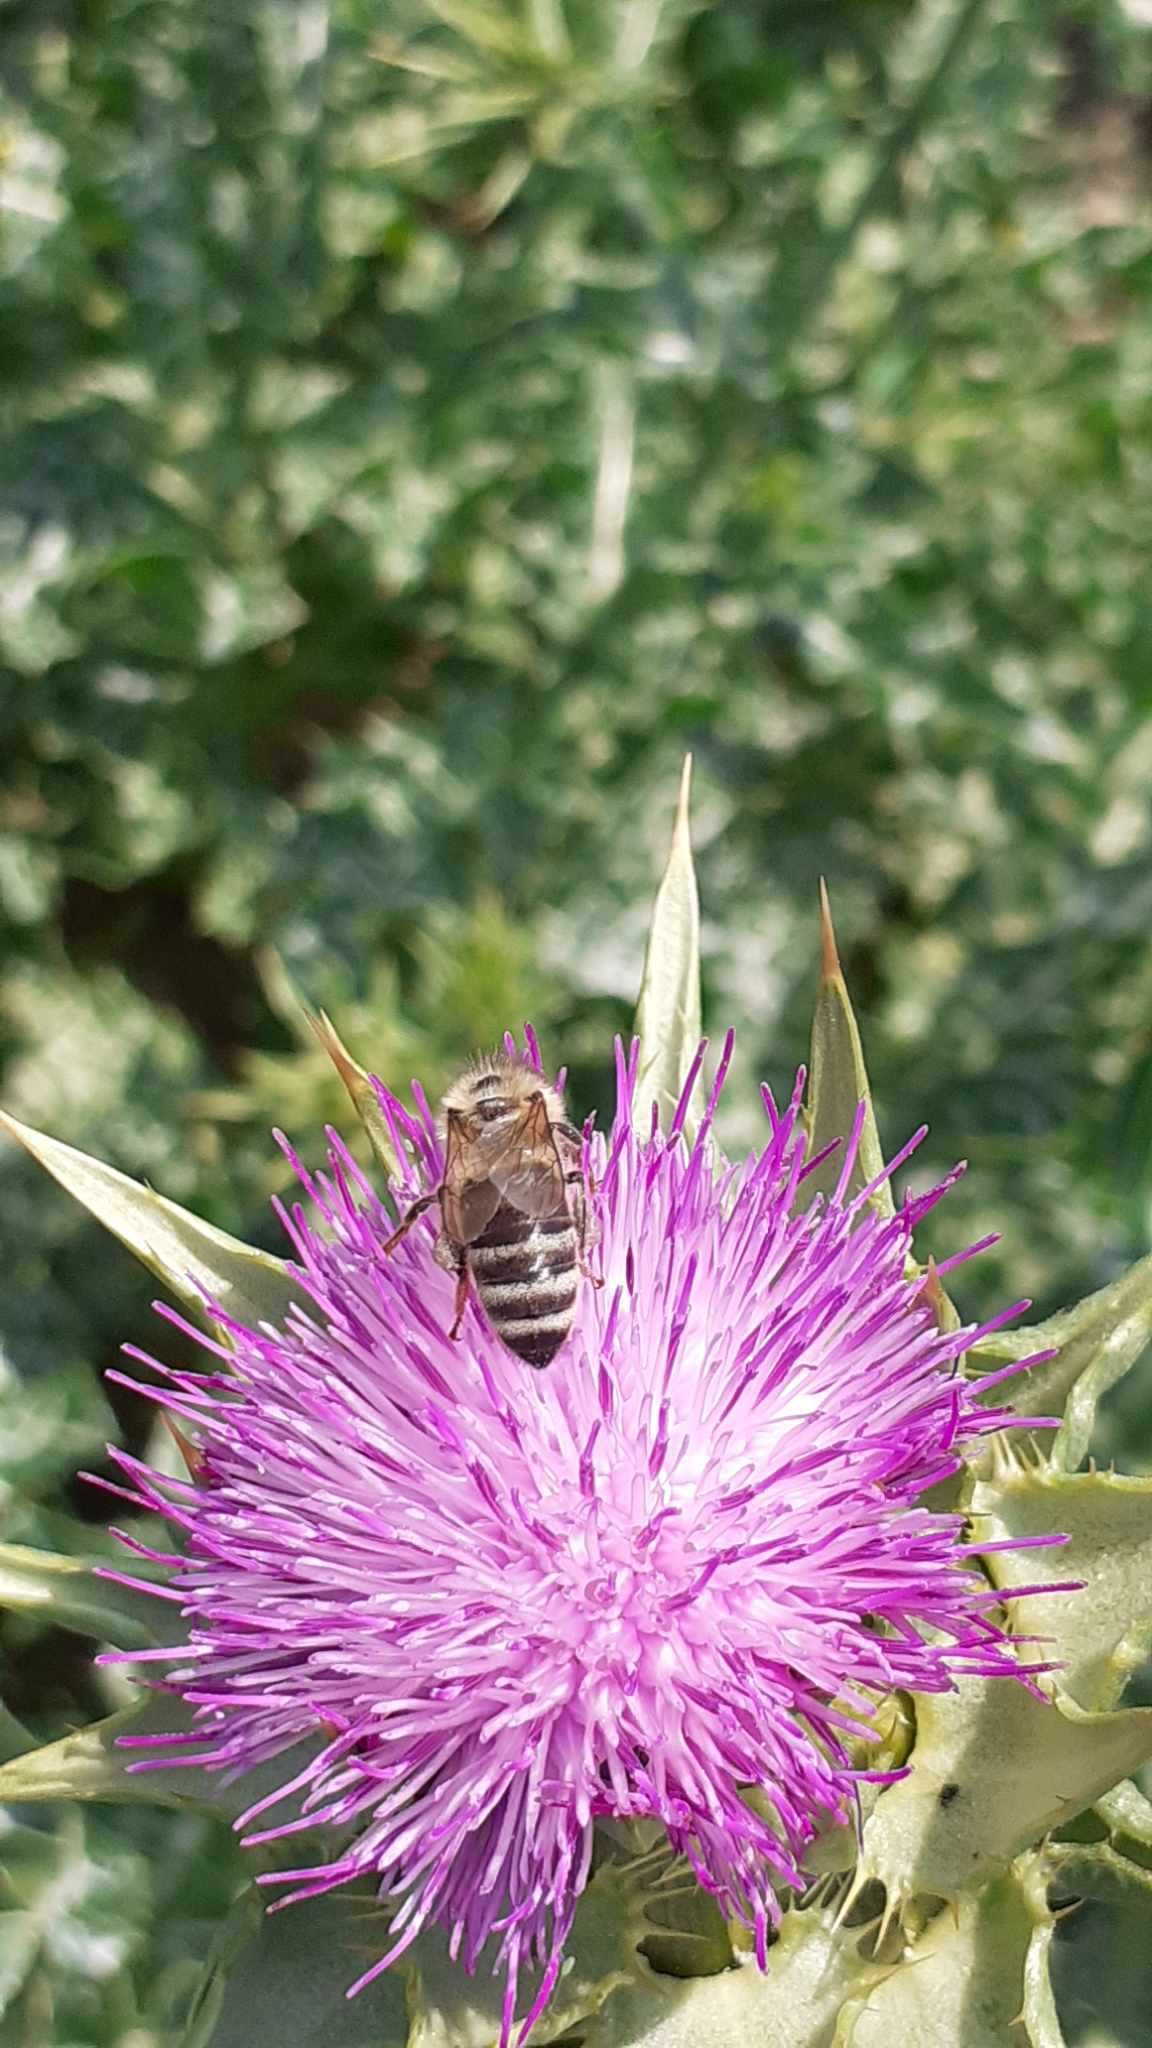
525	1273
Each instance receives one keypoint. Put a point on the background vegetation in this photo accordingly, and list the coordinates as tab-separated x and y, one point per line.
422	422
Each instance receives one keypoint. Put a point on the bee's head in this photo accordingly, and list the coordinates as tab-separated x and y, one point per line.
496	1086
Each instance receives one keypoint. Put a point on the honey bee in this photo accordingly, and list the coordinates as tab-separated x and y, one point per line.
514	1216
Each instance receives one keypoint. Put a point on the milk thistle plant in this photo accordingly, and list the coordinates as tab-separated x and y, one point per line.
752	1674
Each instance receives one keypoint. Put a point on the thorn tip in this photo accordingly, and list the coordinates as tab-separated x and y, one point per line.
684	799
191	1453
830	968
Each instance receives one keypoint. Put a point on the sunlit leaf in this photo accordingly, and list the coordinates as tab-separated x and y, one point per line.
1039	2009
1099	1636
361	1093
191	1258
493	30
1095	1344
91	1765
962	1985
668	1011
838	1083
812	1968
1127	1812
67	1592
993	1770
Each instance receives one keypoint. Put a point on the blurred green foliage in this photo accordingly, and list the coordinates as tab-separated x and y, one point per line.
423	422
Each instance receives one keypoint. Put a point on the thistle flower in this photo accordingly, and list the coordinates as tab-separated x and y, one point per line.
685	1561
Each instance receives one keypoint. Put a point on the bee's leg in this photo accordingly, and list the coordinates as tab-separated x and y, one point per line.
579	1208
408	1219
575	1138
569	1147
461	1295
454	1259
446	1254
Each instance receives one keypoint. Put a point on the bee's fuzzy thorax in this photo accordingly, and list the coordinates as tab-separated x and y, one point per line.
499	1073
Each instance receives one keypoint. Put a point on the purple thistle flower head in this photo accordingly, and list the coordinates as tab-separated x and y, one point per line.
684	1561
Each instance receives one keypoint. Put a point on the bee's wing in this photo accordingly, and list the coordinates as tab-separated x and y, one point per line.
527	1169
468	1198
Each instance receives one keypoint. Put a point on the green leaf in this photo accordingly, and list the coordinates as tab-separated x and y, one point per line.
1100	1635
688	1935
1096	1870
838	1083
1127	1812
962	1985
88	1764
1095	1344
812	1968
467	108
549	29
50	1424
668	1011
185	1254
67	1924
834	1847
453	2010
284	1977
15	1739
362	1094
493	30
31	1868
993	1770
1039	2012
67	1592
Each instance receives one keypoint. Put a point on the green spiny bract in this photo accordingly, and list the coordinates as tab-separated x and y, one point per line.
930	1919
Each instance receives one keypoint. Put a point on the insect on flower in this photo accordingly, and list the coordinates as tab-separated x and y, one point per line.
513	1202
691	1561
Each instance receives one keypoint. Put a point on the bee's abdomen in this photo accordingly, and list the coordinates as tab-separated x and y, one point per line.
525	1273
